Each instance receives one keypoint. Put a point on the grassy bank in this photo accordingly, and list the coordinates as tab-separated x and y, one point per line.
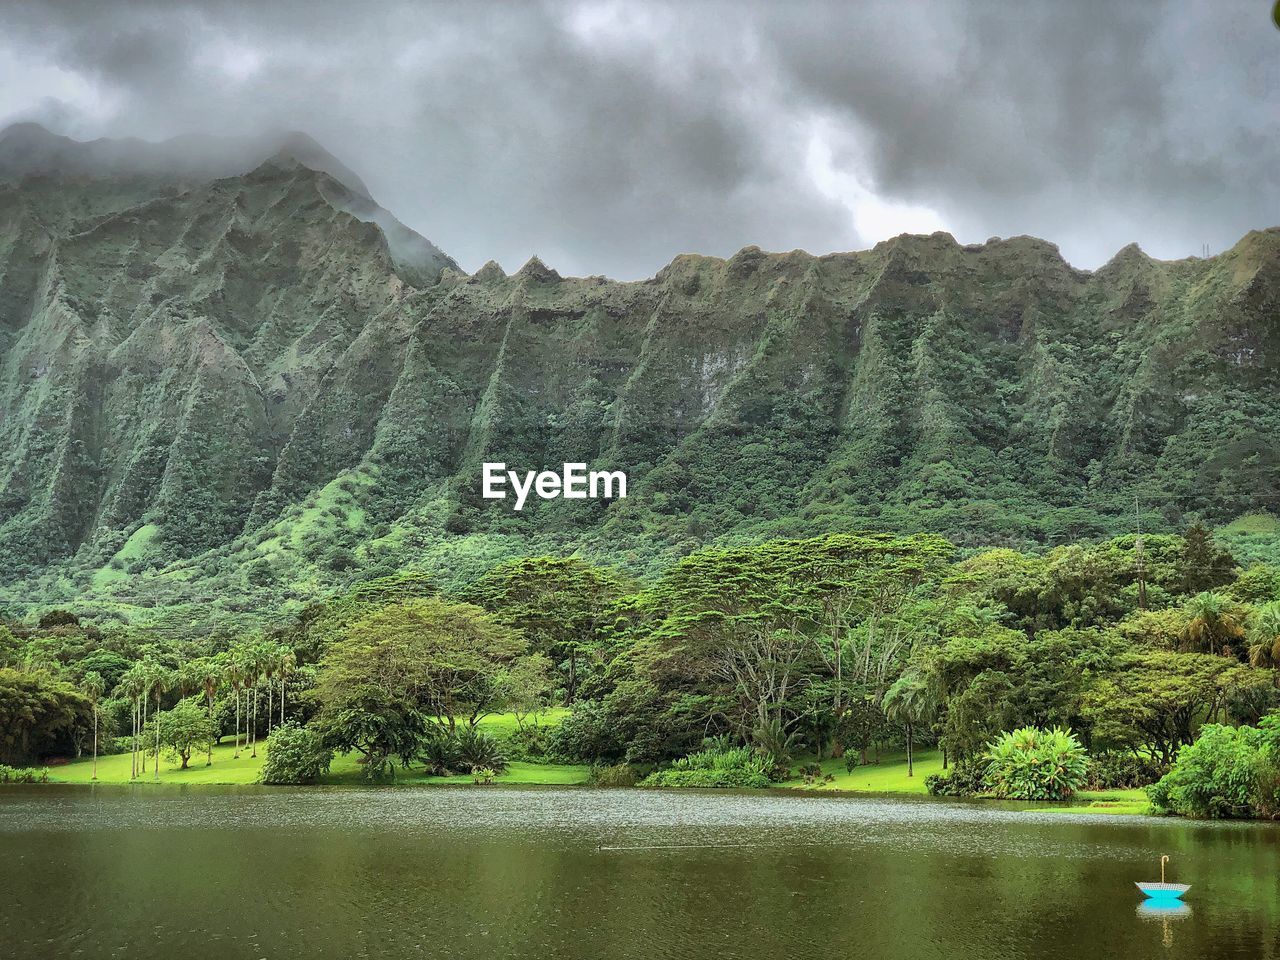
887	777
229	769
890	776
1103	801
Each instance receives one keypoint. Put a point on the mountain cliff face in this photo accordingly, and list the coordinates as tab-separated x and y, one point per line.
257	381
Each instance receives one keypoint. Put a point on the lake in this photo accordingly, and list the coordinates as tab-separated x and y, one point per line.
253	873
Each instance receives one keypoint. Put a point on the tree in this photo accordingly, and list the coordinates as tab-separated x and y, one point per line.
133	688
974	676
867	602
285	669
272	653
911	702
10	648
93	687
258	661
108	664
1227	772
526	686
1264	636
237	668
429	657
183	729
761	667
1202	564
209	673
861	725
376	724
1154	702
35	711
159	680
558	604
1214	625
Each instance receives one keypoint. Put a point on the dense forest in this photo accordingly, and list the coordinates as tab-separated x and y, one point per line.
735	666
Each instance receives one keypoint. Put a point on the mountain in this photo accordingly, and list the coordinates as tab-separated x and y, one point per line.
228	377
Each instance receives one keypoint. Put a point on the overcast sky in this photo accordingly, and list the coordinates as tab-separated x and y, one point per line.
608	137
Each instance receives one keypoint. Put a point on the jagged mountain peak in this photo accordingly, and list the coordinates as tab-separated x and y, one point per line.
491	272
304	149
28	149
535	269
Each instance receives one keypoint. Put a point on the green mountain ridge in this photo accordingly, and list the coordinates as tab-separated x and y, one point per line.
260	384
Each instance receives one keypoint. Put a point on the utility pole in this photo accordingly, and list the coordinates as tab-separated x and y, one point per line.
1142	574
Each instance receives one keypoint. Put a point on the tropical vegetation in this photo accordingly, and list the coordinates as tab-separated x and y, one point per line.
1113	665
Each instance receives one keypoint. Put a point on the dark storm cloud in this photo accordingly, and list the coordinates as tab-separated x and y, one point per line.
608	137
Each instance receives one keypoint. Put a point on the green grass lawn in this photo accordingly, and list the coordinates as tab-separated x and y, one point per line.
1104	801
115	769
346	770
887	776
890	776
228	769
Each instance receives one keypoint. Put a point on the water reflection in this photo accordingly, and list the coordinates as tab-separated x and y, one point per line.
1166	913
1163	910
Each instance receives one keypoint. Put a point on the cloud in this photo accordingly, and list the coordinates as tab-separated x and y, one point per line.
607	137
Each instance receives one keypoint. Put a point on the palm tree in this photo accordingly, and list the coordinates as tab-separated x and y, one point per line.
271	655
235	672
247	660
288	663
94	687
260	657
910	702
159	680
187	678
1214	625
1264	634
133	686
209	671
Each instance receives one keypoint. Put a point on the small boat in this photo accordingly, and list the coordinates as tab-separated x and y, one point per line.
1163	890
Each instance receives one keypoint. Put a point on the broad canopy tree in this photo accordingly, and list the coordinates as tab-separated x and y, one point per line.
558	604
37	713
405	668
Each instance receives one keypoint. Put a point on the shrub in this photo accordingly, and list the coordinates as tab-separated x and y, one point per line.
739	767
1035	764
527	743
295	755
23	774
588	735
1122	771
1219	776
617	775
476	749
440	754
774	742
962	780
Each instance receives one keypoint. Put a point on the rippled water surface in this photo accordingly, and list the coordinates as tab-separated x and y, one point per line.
459	872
